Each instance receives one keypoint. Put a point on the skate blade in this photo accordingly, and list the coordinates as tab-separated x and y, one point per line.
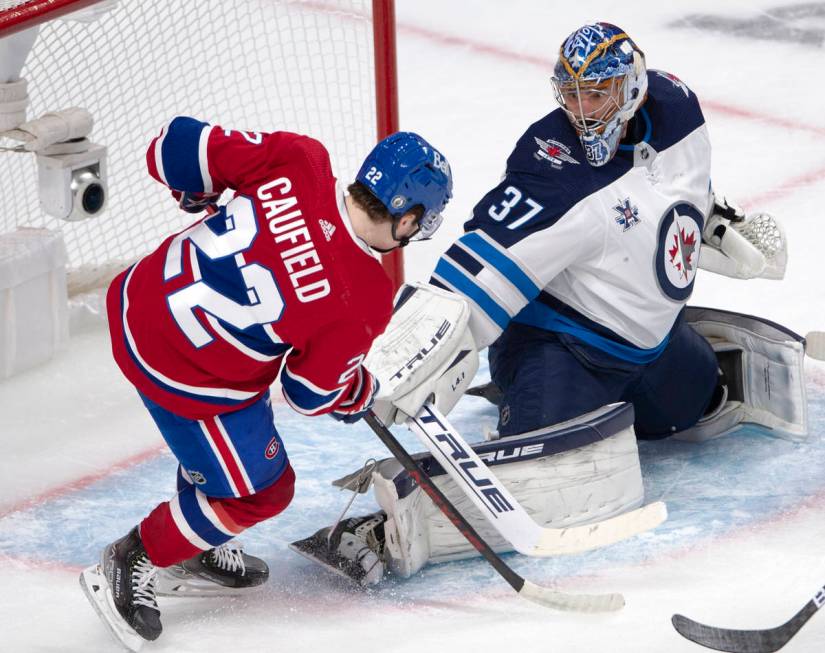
185	585
97	590
308	554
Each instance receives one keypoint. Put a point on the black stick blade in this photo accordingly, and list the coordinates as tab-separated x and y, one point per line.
743	641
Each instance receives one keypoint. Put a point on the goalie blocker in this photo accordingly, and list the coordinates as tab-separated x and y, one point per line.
577	472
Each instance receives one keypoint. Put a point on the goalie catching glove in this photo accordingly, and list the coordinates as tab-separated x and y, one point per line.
743	246
426	351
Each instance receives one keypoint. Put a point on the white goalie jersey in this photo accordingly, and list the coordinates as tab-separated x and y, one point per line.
607	254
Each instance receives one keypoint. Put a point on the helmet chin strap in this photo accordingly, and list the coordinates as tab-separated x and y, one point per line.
402	242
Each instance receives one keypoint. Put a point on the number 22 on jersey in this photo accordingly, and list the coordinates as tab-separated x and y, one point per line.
265	302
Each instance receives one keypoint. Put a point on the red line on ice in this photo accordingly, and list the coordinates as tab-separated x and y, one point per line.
546	63
83	481
787	187
783	189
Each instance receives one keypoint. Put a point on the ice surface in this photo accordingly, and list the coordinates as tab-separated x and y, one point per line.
743	545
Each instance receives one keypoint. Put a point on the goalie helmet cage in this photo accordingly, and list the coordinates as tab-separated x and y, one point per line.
319	67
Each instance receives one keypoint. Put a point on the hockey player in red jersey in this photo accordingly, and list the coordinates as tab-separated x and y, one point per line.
281	282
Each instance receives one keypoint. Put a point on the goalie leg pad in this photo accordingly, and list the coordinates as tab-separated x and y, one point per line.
577	472
763	366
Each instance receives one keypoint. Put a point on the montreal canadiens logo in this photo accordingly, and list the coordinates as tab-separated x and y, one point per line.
272	449
677	258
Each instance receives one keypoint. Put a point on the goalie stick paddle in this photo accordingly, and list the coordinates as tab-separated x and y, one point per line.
502	509
748	641
536	593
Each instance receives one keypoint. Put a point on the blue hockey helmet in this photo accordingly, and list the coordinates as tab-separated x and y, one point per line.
600	81
404	171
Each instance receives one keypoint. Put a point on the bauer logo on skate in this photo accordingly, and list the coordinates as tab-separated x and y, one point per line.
677	257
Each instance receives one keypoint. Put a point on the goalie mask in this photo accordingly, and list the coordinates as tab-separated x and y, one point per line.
599	81
405	171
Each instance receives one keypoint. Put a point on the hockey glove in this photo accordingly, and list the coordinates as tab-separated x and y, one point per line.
362	396
195	202
426	351
743	246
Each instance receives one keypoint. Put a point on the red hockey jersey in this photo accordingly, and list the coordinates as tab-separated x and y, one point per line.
275	282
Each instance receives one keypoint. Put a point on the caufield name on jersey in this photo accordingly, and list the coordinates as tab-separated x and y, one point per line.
287	224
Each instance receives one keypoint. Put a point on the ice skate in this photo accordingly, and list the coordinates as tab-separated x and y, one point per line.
354	550
221	571
121	589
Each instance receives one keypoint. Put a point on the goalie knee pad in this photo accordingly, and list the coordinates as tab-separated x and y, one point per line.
576	472
762	371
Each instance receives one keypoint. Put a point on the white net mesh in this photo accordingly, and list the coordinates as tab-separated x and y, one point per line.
247	64
12	4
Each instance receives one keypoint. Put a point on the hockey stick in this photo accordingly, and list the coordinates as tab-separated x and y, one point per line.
748	641
530	591
504	512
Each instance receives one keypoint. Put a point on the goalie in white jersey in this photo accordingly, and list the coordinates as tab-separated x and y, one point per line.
576	269
578	264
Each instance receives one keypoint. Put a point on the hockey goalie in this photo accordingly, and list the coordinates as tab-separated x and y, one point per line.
581	471
577	268
585	470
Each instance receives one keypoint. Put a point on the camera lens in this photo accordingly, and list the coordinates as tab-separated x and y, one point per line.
93	198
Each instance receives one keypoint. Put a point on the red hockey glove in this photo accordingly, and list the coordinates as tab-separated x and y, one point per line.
194	202
361	398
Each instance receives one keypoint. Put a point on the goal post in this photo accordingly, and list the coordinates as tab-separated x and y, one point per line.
386	100
320	67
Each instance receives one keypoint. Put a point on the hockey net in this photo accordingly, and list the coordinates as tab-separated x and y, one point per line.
296	65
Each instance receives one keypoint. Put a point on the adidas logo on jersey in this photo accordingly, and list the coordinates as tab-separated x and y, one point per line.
328	228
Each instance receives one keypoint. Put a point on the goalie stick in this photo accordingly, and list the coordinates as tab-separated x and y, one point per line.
748	641
526	589
502	509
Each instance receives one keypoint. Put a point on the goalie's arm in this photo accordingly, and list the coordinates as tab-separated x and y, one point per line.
742	246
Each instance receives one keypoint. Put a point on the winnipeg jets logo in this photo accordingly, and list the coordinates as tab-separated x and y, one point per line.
677	258
628	214
682	252
328	228
678	83
556	153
